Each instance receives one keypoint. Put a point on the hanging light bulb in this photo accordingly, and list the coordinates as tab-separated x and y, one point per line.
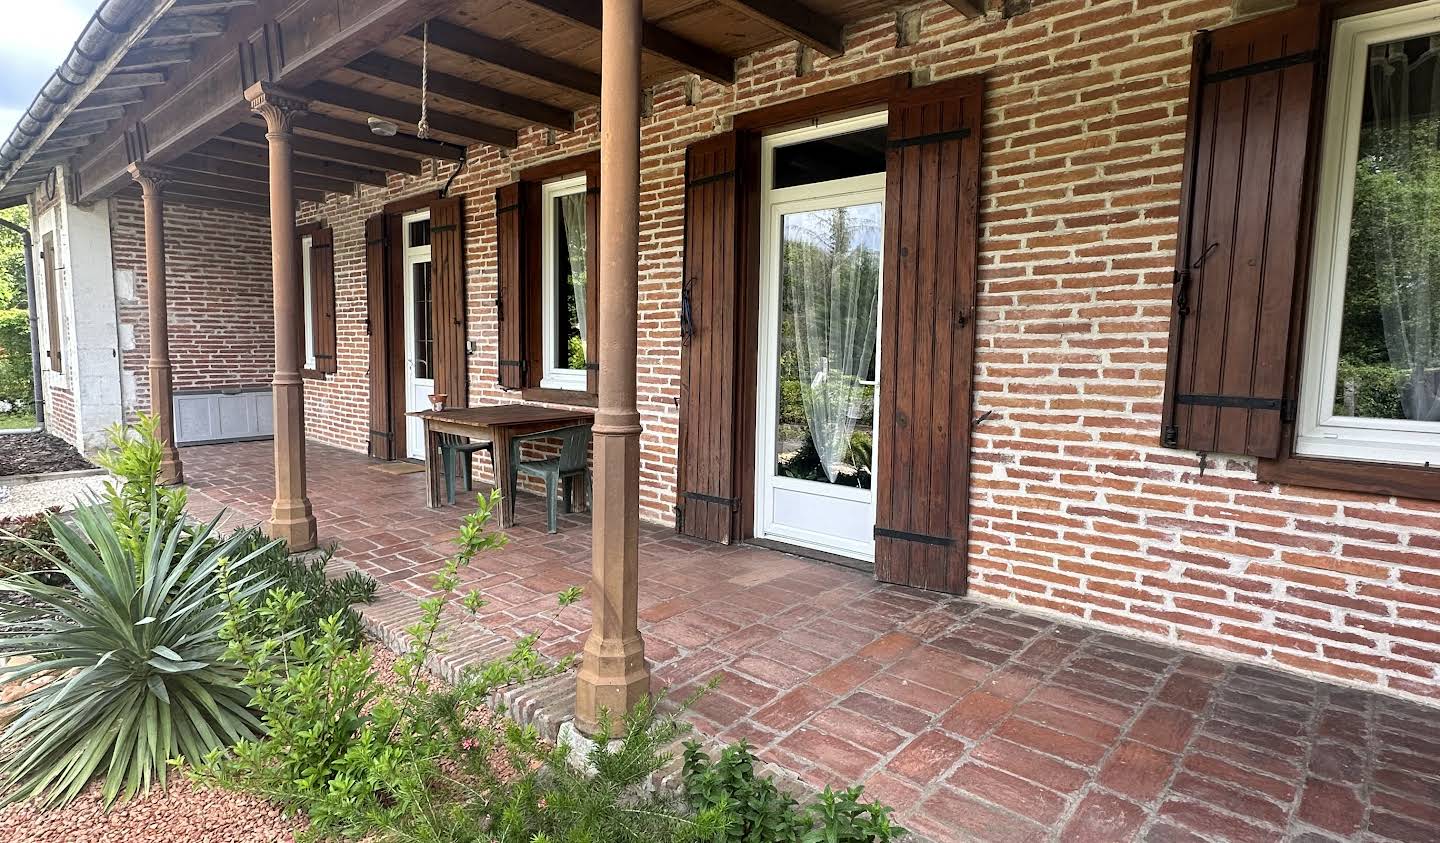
422	129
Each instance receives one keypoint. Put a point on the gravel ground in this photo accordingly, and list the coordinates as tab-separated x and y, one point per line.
30	498
37	453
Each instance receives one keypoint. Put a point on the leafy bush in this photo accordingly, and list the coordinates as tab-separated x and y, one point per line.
761	813
16	385
1378	390
20	535
138	505
133	646
323	597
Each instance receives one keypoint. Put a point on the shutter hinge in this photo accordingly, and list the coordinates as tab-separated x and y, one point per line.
1170	436
1182	292
368	327
1288	410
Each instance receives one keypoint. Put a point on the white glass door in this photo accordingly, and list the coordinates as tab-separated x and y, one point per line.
819	341
419	330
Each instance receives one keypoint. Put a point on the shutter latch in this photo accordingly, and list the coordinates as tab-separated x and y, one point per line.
1182	292
1170	436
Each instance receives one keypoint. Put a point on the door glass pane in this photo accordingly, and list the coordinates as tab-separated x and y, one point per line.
1389	366
829	316
570	280
424	330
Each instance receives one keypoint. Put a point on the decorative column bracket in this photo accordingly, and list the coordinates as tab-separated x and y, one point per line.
152	180
291	517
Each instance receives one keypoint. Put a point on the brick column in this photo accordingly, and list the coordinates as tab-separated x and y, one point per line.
291	518
613	676
152	181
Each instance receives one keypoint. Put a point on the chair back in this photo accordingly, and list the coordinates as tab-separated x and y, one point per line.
574	446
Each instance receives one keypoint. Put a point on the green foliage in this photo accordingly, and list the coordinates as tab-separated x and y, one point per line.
760	813
16	373
323	597
12	261
804	463
575	353
1377	390
134	457
132	645
22	537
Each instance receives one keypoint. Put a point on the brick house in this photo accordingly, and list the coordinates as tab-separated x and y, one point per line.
1116	248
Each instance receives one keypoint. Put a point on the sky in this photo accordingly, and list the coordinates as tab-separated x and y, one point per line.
35	37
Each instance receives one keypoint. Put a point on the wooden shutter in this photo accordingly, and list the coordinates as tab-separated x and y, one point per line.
927	334
52	302
710	487
1238	252
322	299
447	250
378	322
510	274
592	278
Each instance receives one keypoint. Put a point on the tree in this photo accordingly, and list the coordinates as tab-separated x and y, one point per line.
15	365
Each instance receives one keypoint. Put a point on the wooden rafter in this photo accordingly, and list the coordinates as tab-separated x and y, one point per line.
357	133
714	66
97	112
968	8
154	58
825	34
230	151
456	88
126	80
329	150
472	131
185	194
80	128
238	185
257	174
203	7
105	99
169	31
498	53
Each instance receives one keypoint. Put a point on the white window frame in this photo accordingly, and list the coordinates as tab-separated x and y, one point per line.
414	255
1319	431
552	374
307	280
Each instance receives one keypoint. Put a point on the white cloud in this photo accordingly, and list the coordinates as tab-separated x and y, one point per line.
35	38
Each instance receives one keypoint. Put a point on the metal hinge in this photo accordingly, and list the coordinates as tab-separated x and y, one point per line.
1170	436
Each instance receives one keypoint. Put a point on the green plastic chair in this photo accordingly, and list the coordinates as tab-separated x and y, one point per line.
572	464
453	446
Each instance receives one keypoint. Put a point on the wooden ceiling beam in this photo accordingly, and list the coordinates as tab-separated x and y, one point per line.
154	58
968	8
503	54
90	113
359	133
126	80
240	153
714	66
80	128
186	194
183	29
106	99
820	32
238	185
399	72
257	174
329	150
472	131
206	7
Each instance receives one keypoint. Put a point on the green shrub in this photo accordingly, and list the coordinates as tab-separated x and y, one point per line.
16	385
137	503
20	535
132	644
1378	390
761	813
324	597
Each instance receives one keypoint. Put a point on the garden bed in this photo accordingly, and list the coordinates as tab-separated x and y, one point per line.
38	453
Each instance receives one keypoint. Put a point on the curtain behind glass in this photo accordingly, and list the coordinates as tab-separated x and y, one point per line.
1390	342
830	282
572	215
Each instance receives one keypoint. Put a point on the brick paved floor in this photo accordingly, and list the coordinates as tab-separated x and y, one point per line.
976	721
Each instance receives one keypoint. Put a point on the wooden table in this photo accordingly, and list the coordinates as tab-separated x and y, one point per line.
500	423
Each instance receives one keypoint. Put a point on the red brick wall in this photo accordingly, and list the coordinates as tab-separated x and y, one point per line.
1077	511
60	413
217	268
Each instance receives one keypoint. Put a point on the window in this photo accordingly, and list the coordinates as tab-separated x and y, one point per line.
52	301
419	297
1370	377
563	282
307	278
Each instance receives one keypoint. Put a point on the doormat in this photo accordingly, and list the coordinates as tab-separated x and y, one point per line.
398	467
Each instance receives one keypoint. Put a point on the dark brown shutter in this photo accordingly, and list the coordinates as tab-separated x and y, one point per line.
927	332
510	297
322	299
52	302
592	278
377	322
447	250
710	497
1238	252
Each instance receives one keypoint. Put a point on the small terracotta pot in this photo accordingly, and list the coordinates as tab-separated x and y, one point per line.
437	401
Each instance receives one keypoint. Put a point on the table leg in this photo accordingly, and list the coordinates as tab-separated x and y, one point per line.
501	439
432	471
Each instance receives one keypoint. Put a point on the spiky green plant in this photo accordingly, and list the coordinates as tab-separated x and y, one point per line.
131	644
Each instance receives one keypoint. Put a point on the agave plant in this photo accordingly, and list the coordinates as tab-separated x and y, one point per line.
133	648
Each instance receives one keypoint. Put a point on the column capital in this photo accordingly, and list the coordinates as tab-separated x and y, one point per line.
152	178
279	106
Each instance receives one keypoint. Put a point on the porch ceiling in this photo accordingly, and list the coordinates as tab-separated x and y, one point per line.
496	66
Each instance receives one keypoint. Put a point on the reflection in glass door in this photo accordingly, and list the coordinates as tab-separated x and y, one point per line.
821	248
419	331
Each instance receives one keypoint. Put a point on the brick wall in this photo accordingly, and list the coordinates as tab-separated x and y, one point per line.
1077	511
217	268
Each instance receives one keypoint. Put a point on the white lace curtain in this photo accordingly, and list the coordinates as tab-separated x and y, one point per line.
831	278
572	215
